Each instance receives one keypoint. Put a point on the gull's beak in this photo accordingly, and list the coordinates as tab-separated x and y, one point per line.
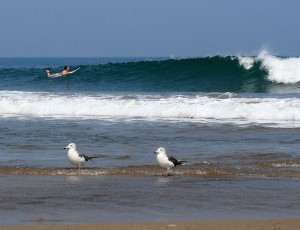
155	152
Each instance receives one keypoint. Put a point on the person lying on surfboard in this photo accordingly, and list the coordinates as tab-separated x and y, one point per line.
62	73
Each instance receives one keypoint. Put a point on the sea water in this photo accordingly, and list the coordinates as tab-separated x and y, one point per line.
235	120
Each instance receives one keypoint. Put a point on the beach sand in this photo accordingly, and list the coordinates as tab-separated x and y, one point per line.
291	224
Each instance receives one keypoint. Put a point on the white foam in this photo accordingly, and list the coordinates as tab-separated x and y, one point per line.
180	107
280	70
246	62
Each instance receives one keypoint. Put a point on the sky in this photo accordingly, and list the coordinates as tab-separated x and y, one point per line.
148	28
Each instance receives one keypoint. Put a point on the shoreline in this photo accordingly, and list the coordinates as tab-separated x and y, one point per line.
282	224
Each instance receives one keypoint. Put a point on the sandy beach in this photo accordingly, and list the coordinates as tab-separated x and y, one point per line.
290	224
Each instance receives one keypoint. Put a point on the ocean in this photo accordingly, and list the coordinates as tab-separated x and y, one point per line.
234	119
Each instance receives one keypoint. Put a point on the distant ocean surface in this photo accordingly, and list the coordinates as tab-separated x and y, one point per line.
236	120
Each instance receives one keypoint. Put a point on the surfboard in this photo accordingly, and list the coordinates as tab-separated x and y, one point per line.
59	75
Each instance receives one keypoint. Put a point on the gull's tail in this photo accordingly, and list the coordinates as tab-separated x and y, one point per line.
88	158
181	162
175	161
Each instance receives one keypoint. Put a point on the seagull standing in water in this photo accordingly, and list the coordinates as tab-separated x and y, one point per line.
76	158
166	162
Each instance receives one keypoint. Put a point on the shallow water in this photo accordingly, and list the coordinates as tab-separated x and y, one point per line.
233	172
251	149
110	199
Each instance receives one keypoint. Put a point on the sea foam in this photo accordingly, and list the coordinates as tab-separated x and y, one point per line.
179	107
280	70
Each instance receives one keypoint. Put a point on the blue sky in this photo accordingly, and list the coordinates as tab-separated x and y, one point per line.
125	28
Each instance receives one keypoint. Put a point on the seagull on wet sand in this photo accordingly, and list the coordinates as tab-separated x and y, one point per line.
166	162
76	158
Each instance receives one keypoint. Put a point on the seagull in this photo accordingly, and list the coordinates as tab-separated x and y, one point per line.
76	158
166	162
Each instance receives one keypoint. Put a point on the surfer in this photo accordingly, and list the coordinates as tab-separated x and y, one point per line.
65	72
62	73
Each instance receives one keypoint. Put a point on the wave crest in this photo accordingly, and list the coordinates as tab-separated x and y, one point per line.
280	70
260	74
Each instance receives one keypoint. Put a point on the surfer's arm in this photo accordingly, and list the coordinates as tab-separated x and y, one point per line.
73	71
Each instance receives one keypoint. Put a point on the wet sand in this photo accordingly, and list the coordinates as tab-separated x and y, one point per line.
291	224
